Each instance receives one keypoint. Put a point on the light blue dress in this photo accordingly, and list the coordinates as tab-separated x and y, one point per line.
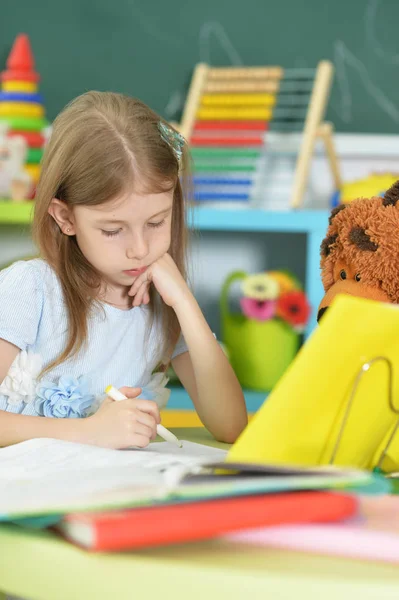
121	349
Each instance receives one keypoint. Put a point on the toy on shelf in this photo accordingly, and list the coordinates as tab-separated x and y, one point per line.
263	337
15	182
21	106
231	117
360	253
374	184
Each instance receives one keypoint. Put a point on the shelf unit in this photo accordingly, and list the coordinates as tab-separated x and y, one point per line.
312	223
209	219
15	213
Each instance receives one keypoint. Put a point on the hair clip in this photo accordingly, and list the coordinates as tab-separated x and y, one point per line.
174	139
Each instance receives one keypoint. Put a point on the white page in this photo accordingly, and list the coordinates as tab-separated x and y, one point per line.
45	475
190	449
40	457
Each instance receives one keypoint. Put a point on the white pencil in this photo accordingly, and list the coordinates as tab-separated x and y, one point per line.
164	433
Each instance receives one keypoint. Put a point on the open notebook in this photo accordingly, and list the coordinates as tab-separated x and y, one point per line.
49	477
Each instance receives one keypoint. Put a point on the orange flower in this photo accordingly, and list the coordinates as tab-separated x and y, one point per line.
285	282
294	308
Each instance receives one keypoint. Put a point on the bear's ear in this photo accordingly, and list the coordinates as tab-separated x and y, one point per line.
362	240
392	195
335	211
326	244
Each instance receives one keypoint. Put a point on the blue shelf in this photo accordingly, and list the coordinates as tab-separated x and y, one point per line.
180	400
247	219
211	219
312	223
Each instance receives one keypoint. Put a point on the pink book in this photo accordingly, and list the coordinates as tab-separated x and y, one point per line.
372	535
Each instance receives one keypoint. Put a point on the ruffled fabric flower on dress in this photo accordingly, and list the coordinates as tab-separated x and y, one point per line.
19	384
156	390
70	398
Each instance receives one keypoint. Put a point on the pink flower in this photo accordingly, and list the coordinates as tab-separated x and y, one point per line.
260	310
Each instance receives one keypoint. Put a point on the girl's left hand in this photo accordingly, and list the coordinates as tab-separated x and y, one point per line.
166	278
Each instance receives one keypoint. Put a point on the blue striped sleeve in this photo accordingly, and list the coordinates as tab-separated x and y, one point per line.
180	347
21	304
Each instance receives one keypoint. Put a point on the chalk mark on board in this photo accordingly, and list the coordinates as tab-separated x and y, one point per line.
344	58
151	28
370	17
175	104
215	30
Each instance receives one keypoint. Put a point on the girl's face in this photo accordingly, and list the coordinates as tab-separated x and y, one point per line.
123	236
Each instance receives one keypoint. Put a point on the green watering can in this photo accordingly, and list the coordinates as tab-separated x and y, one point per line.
259	351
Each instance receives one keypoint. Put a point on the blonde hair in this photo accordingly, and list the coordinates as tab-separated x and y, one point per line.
99	145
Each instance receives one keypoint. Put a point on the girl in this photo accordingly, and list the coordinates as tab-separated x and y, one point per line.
108	301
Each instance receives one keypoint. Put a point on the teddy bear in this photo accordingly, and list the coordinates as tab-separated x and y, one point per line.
15	182
360	253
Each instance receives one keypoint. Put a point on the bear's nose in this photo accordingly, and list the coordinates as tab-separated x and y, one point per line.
321	313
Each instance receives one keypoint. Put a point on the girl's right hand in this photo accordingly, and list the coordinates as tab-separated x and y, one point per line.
125	423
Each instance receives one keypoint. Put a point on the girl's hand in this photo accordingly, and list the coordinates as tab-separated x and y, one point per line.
167	279
123	424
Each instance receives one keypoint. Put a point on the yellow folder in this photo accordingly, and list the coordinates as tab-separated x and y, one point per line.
333	403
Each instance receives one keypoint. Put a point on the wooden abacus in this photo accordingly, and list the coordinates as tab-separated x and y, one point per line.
229	110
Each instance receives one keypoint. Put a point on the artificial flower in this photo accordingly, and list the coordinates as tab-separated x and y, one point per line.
294	308
260	287
260	310
69	398
19	384
285	282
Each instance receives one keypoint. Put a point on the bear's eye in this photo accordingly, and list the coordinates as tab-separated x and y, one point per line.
343	274
358	277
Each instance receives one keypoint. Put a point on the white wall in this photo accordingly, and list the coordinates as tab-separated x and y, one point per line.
15	243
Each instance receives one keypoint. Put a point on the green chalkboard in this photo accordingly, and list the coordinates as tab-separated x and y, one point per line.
149	48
